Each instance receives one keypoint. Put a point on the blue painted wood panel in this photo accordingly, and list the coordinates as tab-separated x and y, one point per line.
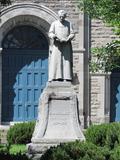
115	97
25	73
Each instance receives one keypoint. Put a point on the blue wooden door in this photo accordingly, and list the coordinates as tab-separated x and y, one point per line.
25	73
115	97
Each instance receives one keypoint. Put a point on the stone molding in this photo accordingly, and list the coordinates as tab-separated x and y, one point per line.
26	14
28	6
100	74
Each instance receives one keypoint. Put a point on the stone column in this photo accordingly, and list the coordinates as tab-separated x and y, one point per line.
0	85
84	69
100	98
107	97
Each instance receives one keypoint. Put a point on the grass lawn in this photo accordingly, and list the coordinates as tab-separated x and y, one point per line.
14	149
13	152
18	148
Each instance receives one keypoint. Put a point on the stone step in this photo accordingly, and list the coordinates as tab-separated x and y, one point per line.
3	134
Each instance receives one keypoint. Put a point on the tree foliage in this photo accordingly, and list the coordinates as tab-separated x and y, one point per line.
106	10
106	58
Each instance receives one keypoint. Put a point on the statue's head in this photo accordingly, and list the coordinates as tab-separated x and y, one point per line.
62	15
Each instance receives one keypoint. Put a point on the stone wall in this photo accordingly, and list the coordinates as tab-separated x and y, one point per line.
100	98
101	34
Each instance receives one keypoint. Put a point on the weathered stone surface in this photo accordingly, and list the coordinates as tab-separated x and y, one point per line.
101	34
58	119
100	98
3	134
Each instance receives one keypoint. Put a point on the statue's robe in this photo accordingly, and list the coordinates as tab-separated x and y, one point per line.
60	58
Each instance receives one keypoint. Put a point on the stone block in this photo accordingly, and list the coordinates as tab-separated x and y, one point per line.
58	119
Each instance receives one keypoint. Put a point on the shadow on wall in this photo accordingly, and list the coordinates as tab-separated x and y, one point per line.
75	79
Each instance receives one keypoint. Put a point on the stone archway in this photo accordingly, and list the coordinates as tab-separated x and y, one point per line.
16	15
32	14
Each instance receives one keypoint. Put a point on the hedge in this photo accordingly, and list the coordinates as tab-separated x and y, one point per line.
104	135
21	133
115	154
7	156
102	143
76	151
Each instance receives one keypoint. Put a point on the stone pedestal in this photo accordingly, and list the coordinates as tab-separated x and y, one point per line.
58	119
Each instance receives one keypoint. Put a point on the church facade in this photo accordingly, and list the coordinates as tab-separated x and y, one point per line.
24	61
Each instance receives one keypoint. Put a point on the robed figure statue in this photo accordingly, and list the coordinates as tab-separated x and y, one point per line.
61	59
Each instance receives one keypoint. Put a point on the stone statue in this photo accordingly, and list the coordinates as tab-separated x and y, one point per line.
58	118
60	60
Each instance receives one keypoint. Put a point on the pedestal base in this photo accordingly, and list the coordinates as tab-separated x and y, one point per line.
58	118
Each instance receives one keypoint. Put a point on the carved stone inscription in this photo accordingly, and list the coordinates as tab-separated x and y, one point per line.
59	120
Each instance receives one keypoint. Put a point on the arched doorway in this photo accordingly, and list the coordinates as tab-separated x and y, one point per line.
24	72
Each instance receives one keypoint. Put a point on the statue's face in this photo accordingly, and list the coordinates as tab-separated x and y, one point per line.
62	17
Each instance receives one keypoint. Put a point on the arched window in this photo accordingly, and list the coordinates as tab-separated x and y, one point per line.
25	37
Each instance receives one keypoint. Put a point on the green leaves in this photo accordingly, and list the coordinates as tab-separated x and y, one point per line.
74	151
105	59
106	10
21	133
104	135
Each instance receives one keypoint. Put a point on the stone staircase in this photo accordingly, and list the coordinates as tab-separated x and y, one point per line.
3	134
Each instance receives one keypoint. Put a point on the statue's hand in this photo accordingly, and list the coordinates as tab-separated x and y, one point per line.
66	40
63	40
70	37
57	39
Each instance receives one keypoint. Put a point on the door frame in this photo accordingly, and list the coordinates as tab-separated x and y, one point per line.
32	14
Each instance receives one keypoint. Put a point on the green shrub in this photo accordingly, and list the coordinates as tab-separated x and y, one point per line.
115	154
7	156
96	134
75	151
10	153
113	135
20	133
18	148
104	135
4	148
